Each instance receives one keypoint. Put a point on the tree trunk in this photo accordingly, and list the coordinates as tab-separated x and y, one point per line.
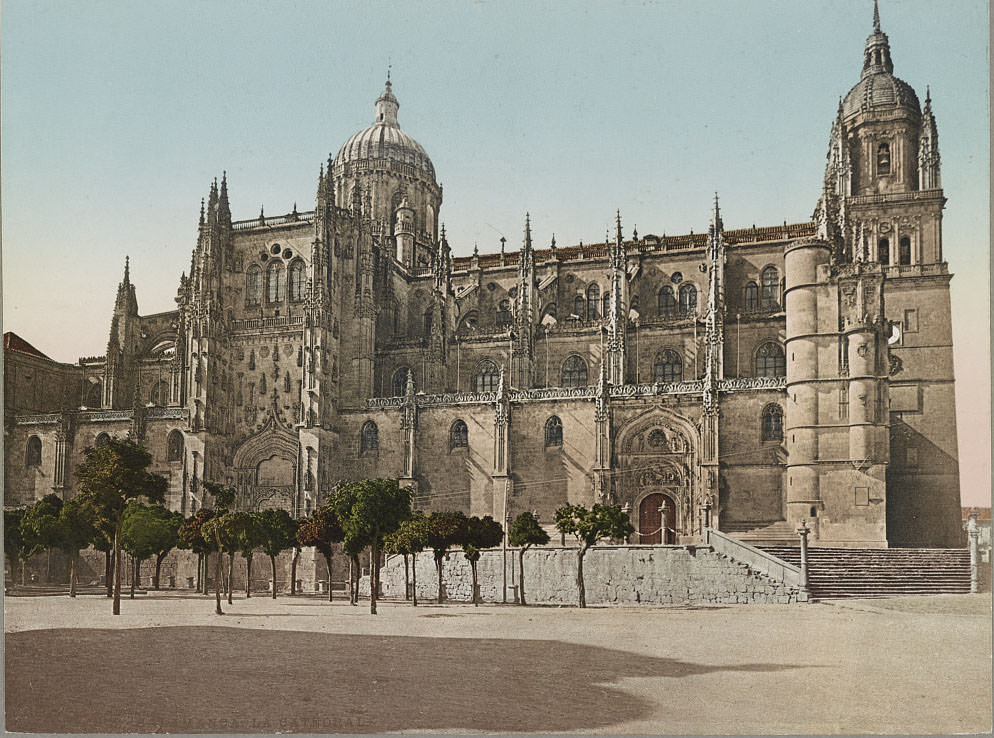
158	570
231	567
217	583
374	562
407	580
117	572
327	560
414	580
521	573
200	569
438	569
109	572
293	571
579	576
354	572
472	565
24	570
134	576
73	555
248	576
272	560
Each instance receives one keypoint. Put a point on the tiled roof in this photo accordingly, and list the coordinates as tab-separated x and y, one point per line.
13	342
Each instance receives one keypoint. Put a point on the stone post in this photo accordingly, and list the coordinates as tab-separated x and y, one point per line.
803	531
973	532
706	519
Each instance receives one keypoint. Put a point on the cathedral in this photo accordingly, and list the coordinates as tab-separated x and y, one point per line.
745	378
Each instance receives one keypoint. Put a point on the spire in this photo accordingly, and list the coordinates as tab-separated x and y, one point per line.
876	23
127	271
224	212
716	224
201	224
387	106
619	239
876	57
528	233
553	244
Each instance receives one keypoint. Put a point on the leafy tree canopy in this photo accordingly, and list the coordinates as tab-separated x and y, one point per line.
191	534
277	531
480	533
114	473
148	530
371	507
411	537
226	529
76	520
590	526
40	524
248	534
14	543
321	530
525	531
446	528
224	497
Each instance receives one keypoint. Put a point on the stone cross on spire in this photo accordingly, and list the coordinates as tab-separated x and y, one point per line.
876	17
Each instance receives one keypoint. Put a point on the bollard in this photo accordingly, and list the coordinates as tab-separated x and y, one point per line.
974	534
189	582
805	593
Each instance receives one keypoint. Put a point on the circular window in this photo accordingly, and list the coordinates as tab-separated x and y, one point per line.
676	278
512	292
287	254
264	256
275	248
492	286
569	277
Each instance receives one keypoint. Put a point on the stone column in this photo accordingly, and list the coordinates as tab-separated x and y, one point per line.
805	593
973	532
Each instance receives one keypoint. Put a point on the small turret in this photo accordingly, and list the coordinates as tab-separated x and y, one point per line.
929	177
403	231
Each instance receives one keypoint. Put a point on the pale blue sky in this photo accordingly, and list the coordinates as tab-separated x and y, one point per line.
116	116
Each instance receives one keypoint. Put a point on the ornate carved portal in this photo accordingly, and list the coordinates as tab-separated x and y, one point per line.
266	469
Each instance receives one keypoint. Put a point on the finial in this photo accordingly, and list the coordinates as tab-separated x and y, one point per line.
476	249
617	223
928	94
201	212
635	233
262	215
502	242
528	231
127	270
876	17
553	245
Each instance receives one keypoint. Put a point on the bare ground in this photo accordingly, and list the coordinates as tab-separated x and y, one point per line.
168	664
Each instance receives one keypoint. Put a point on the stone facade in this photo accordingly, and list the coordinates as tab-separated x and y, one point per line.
780	373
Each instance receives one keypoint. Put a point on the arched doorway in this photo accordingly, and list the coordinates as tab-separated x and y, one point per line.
657	520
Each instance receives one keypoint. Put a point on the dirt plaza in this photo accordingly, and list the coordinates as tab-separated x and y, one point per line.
168	664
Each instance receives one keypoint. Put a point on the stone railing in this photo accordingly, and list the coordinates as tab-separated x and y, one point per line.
745	384
104	416
916	270
754	558
38	419
166	413
283	321
305	217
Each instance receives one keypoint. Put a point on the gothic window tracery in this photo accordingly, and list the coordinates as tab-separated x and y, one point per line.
883	251
579	307
770	360
688	299
772	423
159	395
32	454
503	317
751	297
486	378
668	367
297	281
458	436
574	372
174	446
666	302
253	286
275	281
398	383
606	300
369	439
593	301
553	432
770	279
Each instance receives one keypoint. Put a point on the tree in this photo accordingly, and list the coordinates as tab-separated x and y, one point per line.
249	539
111	475
77	532
16	547
445	529
40	524
321	530
278	532
353	545
590	526
224	529
167	532
136	532
191	537
525	533
224	498
480	533
410	539
149	530
371	509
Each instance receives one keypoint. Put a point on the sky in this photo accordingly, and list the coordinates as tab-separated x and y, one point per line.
116	116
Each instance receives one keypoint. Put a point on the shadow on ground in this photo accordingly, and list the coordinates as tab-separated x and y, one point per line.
202	680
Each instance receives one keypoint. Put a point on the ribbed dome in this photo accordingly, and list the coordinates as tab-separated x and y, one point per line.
385	140
880	90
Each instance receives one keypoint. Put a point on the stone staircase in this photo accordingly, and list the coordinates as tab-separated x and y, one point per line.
880	572
778	533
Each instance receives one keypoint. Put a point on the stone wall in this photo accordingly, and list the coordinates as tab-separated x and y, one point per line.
613	575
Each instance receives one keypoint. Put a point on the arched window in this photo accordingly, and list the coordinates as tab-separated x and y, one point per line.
275	282
770	360
427	322
553	432
688	299
174	446
666	302
94	395
770	279
399	381
458	436
32	454
579	307
883	158
159	394
772	423
486	378
101	440
751	300
593	301
369	439
253	286
503	319
574	372
904	251
297	281
668	367
883	251
606	302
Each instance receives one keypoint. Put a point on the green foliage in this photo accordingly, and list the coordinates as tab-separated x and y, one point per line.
224	497
370	508
77	529
277	531
411	537
114	473
590	526
191	535
248	534
40	525
445	529
480	533
15	545
224	529
321	530
149	530
526	532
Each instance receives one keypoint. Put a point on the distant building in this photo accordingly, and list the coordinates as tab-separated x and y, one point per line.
782	373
